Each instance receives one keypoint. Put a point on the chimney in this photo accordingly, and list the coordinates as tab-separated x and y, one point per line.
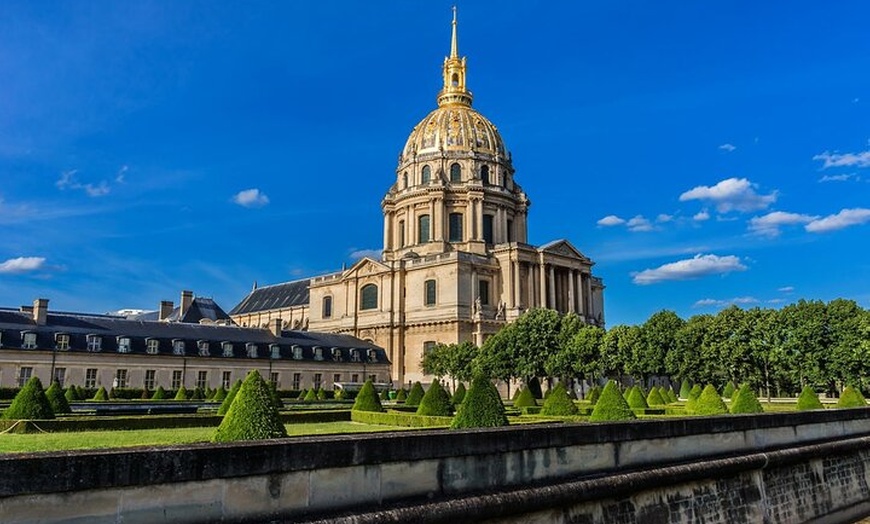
166	307
186	301
40	311
275	326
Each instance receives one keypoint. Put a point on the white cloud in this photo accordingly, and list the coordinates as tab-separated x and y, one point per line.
736	194
727	147
776	301
840	178
357	254
691	268
611	220
639	223
68	180
741	301
843	219
786	289
701	216
769	224
120	176
21	264
251	198
663	218
835	159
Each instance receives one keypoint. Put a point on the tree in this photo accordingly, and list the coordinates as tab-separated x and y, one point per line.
806	343
848	356
685	359
745	401
415	395
522	348
617	347
459	394
809	399
252	415
709	403
580	354
450	360
657	340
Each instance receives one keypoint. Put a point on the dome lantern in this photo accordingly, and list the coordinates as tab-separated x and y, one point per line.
454	91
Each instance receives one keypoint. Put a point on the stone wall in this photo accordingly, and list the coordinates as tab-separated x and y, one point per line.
792	467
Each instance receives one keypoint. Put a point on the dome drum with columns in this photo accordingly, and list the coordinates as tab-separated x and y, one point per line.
456	263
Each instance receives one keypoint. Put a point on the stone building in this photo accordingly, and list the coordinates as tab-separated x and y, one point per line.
456	263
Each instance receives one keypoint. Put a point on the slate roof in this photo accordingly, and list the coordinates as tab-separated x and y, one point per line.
201	308
277	296
14	324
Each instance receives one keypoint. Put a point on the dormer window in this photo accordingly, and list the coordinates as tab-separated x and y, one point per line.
28	340
61	342
373	355
251	350
124	344
297	352
95	343
336	355
203	347
227	348
318	353
178	347
274	351
354	355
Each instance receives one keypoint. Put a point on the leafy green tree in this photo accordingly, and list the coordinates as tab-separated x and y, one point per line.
657	340
252	415
367	399
522	348
849	358
30	403
807	341
690	356
611	406
559	404
481	408
766	336
617	348
436	402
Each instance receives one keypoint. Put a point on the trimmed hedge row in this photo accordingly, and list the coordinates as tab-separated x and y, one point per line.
393	418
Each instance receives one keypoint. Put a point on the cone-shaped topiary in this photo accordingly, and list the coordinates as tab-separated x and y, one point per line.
655	397
594	395
339	394
101	395
367	399
692	398
145	394
401	395
181	394
559	403
436	402
482	407
611	405
710	402
58	402
672	396
225	405
219	394
198	394
685	388
70	394
809	400
525	399
851	398
516	393
311	395
636	399
729	390
415	395
159	394
321	394
209	393
385	395
459	394
252	415
745	401
30	403
273	394
302	393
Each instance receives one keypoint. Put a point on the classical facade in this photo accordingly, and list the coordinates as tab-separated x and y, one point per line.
456	263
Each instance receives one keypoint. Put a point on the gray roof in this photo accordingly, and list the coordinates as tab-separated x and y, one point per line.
277	296
200	309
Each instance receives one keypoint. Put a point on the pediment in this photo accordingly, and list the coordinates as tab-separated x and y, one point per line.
363	267
565	249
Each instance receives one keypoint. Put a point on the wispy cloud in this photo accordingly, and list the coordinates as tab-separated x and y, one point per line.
727	147
843	219
69	180
356	254
611	220
769	224
251	198
731	194
840	178
741	301
21	265
692	268
786	289
664	218
835	159
701	216
639	223
121	175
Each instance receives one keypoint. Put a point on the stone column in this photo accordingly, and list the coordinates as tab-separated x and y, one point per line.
581	304
412	226
433	223
552	287
515	295
387	237
542	290
530	283
591	313
571	291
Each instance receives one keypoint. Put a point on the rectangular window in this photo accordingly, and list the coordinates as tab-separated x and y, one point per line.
150	375
483	292
297	380
428	346
178	347
430	293
274	351
124	345
228	349
297	352
202	379
336	378
318	379
62	342
120	379
487	229
373	378
422	229
152	346
354	355
60	376
354	378
455	230
251	350
203	348
29	341
226	378
273	378
95	343
327	307
24	374
318	353
401	233
91	378
176	379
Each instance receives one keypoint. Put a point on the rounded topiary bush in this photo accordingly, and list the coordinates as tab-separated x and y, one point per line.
436	402
482	407
611	405
459	394
525	399
655	397
415	395
729	390
30	403
181	394
636	399
692	398
101	395
745	401
594	395
56	398
71	395
709	402
311	395
219	394
808	400
851	398
559	403
228	401
252	415
401	395
685	388
159	394
367	399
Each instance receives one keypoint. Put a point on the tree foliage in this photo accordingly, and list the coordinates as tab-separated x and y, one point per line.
459	394
525	399
231	395
851	398
709	402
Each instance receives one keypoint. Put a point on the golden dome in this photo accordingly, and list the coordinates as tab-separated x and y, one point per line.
454	127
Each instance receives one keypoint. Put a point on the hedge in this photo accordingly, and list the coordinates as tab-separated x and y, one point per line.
809	400
745	401
525	399
685	389
611	406
181	394
729	390
692	398
401	395
400	419
709	402
636	398
436	402
101	395
655	397
367	399
159	394
558	403
851	398
481	408
594	395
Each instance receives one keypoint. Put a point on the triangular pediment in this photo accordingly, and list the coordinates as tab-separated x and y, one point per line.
563	248
365	266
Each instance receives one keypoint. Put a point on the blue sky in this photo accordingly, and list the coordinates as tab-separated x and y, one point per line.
702	153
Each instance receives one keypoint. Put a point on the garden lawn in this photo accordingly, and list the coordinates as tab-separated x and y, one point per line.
14	443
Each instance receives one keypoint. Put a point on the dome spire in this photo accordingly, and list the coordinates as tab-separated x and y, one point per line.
454	91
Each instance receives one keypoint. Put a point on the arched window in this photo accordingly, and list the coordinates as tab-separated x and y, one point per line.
455	227
422	229
404	180
426	175
455	173
368	297
484	175
327	307
454	80
429	293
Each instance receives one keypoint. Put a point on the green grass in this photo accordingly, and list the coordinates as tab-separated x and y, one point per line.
14	443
